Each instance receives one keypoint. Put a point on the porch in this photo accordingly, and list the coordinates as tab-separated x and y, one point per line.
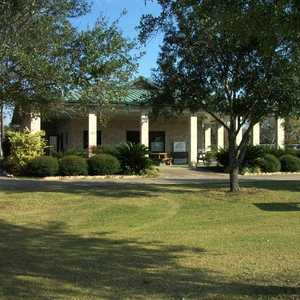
181	139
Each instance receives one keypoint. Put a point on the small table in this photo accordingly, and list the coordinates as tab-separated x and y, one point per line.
162	156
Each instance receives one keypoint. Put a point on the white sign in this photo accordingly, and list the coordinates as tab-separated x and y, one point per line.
179	146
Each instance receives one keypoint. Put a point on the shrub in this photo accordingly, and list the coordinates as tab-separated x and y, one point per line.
103	164
75	151
223	158
42	166
24	146
251	155
134	158
280	152
73	165
72	151
210	156
6	146
269	163
106	149
290	163
276	152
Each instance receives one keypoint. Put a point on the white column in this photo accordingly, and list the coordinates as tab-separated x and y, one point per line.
35	123
144	130
256	134
193	151
207	138
220	137
280	138
92	133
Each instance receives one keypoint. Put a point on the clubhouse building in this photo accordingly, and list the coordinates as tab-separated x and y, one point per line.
181	138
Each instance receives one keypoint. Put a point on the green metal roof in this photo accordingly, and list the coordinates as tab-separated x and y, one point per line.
137	94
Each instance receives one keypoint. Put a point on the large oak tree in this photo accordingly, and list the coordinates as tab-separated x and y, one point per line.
237	60
45	60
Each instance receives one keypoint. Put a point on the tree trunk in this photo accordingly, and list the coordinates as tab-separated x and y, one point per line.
237	155
233	161
1	130
234	179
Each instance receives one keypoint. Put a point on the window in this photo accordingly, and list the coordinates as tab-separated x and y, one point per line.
86	138
157	141
99	138
133	137
61	142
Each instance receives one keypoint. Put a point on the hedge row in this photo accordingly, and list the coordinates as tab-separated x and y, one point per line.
258	158
72	165
125	159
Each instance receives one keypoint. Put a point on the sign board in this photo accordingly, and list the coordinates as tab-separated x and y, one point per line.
179	147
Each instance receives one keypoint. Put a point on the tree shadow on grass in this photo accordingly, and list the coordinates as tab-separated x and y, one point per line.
125	189
49	262
279	207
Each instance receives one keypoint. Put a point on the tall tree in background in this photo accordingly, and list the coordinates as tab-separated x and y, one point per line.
237	60
44	60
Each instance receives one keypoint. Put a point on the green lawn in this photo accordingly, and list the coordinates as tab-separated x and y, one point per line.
66	241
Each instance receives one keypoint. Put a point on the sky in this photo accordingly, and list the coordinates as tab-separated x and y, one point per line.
135	9
112	10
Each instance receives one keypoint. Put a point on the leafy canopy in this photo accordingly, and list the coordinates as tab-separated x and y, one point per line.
44	59
238	60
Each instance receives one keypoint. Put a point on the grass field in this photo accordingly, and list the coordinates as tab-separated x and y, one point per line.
65	241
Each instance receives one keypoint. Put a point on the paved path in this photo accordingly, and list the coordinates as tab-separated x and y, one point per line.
168	175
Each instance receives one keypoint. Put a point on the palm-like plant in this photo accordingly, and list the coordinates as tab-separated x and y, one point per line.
134	158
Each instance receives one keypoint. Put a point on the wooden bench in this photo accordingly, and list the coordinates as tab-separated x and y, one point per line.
162	156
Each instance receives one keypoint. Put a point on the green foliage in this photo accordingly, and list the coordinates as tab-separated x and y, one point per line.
222	157
290	163
42	166
103	164
72	151
269	163
256	157
280	152
24	146
274	151
96	63
134	158
73	165
105	63
75	151
251	154
106	149
210	156
211	61
6	147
